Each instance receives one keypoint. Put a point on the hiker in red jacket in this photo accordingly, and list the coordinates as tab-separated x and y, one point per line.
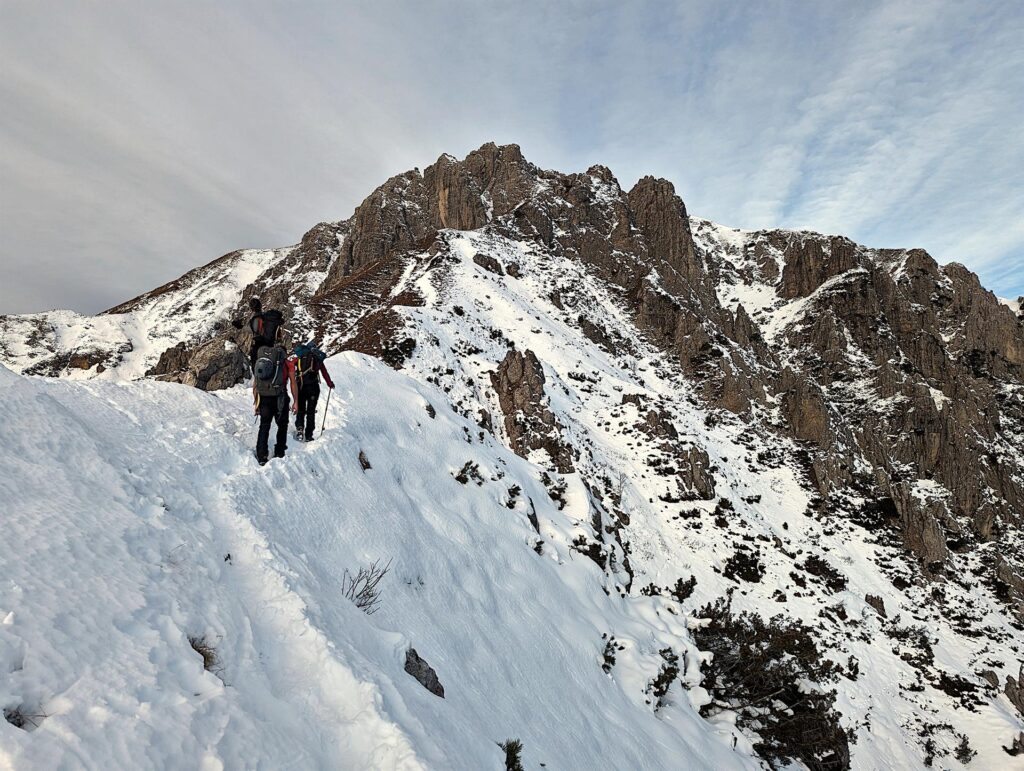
308	365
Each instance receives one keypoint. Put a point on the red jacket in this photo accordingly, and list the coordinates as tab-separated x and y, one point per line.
293	361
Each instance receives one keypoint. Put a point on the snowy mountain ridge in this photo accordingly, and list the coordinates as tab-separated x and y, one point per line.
608	417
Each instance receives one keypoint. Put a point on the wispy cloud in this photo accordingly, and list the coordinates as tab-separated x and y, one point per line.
138	140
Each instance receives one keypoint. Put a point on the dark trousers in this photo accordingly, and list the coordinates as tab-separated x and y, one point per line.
306	416
272	409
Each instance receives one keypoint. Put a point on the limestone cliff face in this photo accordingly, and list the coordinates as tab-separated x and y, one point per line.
463	195
908	365
640	241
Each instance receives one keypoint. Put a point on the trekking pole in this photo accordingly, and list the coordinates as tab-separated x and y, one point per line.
323	423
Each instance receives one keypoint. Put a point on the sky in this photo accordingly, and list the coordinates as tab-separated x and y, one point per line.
139	140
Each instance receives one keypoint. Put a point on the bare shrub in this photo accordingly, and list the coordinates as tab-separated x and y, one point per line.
21	718
363	588
211	662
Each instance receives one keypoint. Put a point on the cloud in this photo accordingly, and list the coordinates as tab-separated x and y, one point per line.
138	141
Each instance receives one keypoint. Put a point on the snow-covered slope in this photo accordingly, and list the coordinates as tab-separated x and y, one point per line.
761	505
141	519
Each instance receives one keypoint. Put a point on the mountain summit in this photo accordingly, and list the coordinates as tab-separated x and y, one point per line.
717	425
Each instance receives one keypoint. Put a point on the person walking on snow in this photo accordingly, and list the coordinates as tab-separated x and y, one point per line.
263	325
308	363
273	375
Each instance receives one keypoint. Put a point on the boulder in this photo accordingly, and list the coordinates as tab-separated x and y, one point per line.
423	672
217	364
212	366
489	264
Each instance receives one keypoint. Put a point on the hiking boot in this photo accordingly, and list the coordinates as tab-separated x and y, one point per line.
261	461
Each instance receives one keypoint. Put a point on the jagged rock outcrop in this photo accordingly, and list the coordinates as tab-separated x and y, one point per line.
212	366
695	477
405	210
173	361
810	262
1014	690
913	352
529	423
215	365
877	603
1017	747
423	672
919	525
805	408
661	217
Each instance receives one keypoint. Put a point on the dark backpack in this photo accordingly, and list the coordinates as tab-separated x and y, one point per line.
269	372
265	325
307	363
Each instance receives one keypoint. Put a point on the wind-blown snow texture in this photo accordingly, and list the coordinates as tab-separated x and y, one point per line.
125	498
142	519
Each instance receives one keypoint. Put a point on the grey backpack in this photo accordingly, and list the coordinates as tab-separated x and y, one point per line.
269	372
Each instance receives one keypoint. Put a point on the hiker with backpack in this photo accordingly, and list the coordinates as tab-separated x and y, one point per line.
308	364
273	376
263	325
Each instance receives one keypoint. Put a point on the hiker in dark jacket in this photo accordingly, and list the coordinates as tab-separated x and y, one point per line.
273	376
263	325
308	364
256	327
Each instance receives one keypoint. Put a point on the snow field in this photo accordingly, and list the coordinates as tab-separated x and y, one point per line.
124	511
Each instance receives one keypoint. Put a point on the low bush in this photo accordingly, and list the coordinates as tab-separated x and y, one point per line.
683	589
757	670
660	685
513	754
